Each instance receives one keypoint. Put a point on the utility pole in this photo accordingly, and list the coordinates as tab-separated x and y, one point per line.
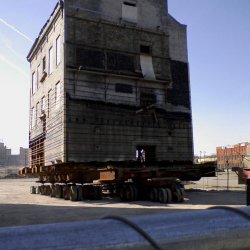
227	165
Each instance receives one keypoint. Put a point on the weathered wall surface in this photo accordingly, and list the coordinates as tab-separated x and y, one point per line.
177	40
46	132
107	93
112	11
99	132
123	84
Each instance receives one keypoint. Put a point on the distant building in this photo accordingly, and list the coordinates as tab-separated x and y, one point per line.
3	154
208	158
7	159
231	156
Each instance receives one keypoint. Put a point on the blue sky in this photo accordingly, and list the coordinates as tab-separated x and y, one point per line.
219	56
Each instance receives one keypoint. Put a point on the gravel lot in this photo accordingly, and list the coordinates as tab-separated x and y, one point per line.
19	207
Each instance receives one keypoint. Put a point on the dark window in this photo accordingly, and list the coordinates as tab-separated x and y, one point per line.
44	64
123	88
130	4
147	98
144	49
120	62
90	58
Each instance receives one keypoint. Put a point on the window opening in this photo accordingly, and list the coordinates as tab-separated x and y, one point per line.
144	49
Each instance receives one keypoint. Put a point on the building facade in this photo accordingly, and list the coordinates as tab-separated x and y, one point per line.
110	78
231	156
8	159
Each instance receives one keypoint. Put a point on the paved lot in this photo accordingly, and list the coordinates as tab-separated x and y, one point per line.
19	207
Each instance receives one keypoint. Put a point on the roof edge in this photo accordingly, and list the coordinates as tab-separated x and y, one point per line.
44	28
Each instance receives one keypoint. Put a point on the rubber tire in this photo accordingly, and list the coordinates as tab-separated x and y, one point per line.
73	193
66	192
182	190
47	190
59	191
53	191
33	190
169	194
79	193
177	195
129	193
122	192
154	194
136	192
163	195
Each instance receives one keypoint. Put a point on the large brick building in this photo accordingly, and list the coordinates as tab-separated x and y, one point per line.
231	156
109	78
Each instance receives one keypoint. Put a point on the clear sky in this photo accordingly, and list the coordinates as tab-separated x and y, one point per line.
219	56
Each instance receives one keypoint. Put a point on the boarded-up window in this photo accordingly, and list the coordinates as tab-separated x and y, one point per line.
90	58
147	66
38	75
123	88
57	95
43	104
129	11
37	112
58	50
50	60
33	117
49	102
34	82
44	64
120	62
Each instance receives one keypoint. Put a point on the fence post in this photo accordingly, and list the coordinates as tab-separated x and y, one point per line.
248	191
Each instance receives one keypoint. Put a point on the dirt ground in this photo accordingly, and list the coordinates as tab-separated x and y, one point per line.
19	207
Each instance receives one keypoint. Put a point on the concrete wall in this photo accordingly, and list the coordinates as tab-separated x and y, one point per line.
177	40
109	105
150	13
102	123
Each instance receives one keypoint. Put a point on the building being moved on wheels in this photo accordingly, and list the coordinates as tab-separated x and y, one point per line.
110	84
110	77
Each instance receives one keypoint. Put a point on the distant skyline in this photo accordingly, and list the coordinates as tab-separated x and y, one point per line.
219	56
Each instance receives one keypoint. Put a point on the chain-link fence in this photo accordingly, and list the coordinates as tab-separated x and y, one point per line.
227	180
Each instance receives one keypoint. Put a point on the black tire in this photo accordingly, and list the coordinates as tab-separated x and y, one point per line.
122	192
98	192
129	192
33	190
153	194
73	193
47	190
163	195
182	191
177	195
59	191
66	192
169	193
136	192
53	191
79	193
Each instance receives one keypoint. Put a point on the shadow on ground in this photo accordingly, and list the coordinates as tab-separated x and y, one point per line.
27	214
22	214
